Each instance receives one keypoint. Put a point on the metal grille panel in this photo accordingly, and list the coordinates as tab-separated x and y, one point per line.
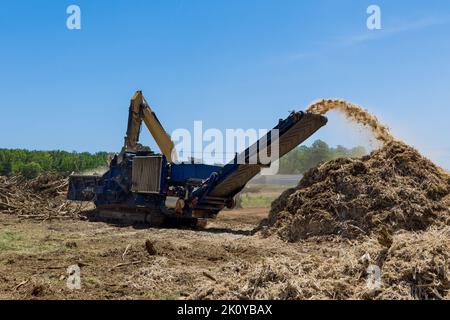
146	176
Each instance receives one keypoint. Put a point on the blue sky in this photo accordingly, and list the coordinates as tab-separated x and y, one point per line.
232	64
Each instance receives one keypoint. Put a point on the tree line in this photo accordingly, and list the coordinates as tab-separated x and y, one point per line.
303	158
30	164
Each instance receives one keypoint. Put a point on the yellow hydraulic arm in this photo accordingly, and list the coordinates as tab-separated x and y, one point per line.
140	111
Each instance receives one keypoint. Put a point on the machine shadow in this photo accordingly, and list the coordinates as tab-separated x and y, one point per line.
92	216
247	233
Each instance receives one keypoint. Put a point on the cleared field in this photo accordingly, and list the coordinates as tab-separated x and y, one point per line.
226	260
34	257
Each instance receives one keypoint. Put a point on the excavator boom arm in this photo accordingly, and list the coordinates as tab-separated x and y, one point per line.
140	111
134	122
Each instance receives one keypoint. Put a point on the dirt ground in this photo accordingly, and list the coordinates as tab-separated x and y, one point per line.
34	257
226	260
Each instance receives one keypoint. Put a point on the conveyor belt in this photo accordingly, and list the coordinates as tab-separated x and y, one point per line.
289	138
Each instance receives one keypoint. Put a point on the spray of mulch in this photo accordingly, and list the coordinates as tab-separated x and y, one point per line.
354	113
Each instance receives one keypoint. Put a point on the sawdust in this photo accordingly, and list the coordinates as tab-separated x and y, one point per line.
417	266
355	113
155	275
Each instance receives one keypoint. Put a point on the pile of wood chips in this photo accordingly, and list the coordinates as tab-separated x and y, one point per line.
41	198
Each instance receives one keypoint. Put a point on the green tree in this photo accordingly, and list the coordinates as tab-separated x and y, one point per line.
320	152
18	161
30	170
303	158
358	152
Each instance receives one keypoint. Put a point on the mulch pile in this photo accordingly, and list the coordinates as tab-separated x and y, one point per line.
387	212
394	188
